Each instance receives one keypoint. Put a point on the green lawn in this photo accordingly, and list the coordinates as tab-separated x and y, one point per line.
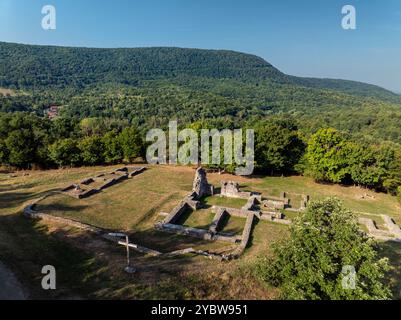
225	202
201	219
351	196
233	225
134	206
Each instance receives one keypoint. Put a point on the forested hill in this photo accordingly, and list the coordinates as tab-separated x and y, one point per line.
29	66
26	65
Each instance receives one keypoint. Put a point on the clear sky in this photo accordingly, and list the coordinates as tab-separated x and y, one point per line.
300	37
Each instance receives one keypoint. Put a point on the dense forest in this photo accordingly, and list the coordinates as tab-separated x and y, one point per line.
334	130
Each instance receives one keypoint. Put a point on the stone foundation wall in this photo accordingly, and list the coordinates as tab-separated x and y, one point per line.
234	211
251	203
246	233
274	204
120	175
30	212
178	229
391	226
176	213
230	189
374	232
218	218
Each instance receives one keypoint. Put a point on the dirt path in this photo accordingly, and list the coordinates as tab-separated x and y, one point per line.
10	288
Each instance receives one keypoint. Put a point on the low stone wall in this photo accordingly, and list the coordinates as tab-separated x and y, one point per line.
218	218
176	213
87	181
29	212
225	238
274	204
231	189
246	233
192	201
112	182
372	229
376	233
234	211
70	187
251	203
178	229
120	175
137	171
194	232
391	226
276	217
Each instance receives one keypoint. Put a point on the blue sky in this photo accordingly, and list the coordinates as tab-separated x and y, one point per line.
300	37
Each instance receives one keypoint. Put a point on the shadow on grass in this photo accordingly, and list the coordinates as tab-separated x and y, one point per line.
58	207
186	215
12	187
28	247
255	222
90	268
392	250
15	199
164	241
227	228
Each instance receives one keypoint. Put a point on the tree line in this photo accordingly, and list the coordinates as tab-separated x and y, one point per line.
28	141
281	147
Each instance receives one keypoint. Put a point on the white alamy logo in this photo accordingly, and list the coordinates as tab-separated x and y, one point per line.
183	147
49	280
49	20
349	19
349	278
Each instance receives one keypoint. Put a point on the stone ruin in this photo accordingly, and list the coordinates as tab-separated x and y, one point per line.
393	232
272	204
304	202
230	189
201	187
102	181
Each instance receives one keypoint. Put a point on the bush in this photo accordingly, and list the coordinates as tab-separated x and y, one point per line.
324	240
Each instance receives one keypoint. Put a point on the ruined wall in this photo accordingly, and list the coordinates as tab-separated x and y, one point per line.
176	213
386	235
218	218
231	189
201	187
234	211
391	226
119	175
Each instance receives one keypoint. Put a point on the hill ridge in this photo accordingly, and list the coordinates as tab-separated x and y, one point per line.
40	66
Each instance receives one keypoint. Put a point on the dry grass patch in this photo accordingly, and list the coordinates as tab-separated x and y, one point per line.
132	204
5	92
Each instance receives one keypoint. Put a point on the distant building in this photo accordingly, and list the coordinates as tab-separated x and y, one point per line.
52	112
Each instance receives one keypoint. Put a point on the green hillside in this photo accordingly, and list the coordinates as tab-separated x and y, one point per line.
150	86
25	66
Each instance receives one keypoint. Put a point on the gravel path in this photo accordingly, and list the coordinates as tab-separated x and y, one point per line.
10	288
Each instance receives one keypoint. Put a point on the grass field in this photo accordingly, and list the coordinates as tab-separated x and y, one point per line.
197	219
134	206
225	202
